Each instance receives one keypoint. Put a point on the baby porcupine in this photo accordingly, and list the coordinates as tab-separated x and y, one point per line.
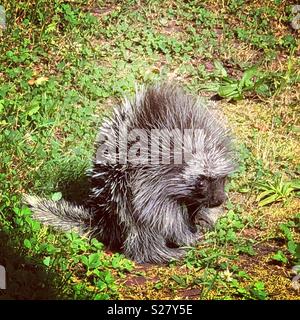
160	166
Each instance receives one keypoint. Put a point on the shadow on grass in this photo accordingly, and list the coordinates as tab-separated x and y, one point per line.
26	279
76	190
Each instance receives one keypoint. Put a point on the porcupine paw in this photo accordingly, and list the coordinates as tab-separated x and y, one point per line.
207	219
186	238
170	254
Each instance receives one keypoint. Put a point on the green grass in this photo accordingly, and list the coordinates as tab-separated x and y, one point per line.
64	64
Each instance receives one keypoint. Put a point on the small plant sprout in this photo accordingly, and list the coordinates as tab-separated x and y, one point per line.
277	190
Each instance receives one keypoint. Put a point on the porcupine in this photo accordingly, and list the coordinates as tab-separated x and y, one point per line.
160	165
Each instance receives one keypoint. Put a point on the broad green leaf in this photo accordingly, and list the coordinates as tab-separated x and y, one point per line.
33	110
85	260
280	256
56	196
27	244
179	280
295	184
264	194
94	261
229	91
221	71
248	75
47	261
1	106
268	200
213	86
101	285
292	247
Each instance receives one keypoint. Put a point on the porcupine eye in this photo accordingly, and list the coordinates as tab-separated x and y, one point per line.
201	186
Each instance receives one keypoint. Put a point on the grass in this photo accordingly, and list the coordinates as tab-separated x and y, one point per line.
64	64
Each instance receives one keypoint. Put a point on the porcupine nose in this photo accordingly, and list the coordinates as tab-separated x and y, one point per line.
214	203
217	200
